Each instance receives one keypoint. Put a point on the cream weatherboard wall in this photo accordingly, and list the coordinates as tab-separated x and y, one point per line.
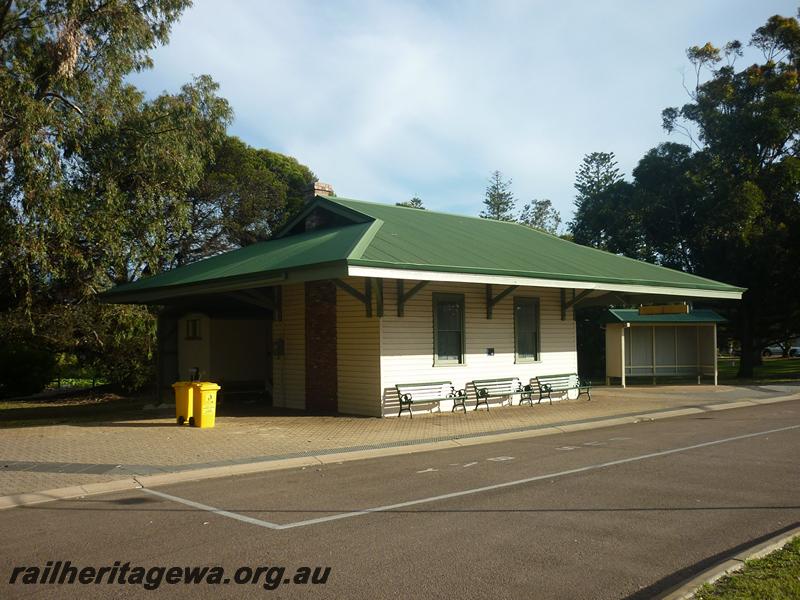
289	369
194	352
373	354
358	354
406	342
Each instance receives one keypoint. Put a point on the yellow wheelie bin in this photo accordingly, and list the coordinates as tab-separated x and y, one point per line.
204	401
183	401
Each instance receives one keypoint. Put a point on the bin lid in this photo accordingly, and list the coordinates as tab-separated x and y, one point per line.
207	385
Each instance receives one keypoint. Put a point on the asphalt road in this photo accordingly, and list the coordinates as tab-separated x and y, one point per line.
626	511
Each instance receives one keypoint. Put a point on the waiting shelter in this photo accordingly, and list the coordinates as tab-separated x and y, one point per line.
661	341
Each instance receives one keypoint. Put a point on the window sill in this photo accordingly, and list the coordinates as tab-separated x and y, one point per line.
527	361
446	364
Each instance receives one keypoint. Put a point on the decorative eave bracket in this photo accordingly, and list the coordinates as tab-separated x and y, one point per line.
567	304
403	297
364	297
492	300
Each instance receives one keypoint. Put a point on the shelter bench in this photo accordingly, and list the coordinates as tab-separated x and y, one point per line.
505	387
545	385
430	392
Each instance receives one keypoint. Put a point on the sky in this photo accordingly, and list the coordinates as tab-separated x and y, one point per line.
387	100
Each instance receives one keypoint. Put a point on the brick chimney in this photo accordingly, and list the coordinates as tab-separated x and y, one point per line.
323	189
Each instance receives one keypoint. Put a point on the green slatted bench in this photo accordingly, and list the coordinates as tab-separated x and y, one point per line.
504	387
545	385
427	393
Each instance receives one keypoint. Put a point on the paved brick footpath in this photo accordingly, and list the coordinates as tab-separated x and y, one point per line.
36	458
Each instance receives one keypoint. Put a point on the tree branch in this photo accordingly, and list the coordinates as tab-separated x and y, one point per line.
58	96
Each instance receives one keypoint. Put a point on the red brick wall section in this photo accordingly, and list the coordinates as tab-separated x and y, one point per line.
321	387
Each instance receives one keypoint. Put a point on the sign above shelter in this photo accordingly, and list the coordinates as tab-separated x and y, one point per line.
665	309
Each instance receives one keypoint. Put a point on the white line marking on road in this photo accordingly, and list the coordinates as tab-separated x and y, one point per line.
217	511
428	470
618	439
470	464
567	448
500	458
594	443
470	492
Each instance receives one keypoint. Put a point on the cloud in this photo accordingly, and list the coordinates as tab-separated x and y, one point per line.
386	100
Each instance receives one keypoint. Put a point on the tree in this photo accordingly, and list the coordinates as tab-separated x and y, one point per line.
597	172
728	206
670	198
748	126
94	176
415	202
540	214
498	200
600	187
245	194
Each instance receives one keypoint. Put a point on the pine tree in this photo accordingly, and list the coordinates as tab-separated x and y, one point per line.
597	173
499	199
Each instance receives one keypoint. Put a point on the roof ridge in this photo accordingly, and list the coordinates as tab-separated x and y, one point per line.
426	210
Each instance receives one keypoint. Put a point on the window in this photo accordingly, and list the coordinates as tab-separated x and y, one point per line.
448	329
526	329
193	329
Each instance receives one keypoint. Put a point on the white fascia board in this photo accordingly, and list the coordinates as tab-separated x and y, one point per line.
382	273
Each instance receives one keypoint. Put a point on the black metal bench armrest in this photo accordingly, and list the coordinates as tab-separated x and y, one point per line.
405	399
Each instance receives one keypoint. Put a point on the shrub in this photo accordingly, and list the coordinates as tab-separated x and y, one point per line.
24	368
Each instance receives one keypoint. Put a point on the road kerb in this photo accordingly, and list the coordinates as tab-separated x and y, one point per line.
28	498
687	590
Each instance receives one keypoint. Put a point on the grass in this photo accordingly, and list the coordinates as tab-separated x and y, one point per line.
75	382
83	408
774	577
773	370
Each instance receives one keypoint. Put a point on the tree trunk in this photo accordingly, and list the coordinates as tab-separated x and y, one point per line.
750	353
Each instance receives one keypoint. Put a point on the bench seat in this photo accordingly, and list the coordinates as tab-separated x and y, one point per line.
545	385
427	393
504	387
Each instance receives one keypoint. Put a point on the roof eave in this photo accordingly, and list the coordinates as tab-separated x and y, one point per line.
358	268
331	270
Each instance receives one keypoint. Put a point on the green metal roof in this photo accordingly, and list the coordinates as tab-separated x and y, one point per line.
396	237
631	315
411	238
263	260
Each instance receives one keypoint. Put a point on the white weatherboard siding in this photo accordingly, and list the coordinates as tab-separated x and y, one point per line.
357	349
289	370
406	342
